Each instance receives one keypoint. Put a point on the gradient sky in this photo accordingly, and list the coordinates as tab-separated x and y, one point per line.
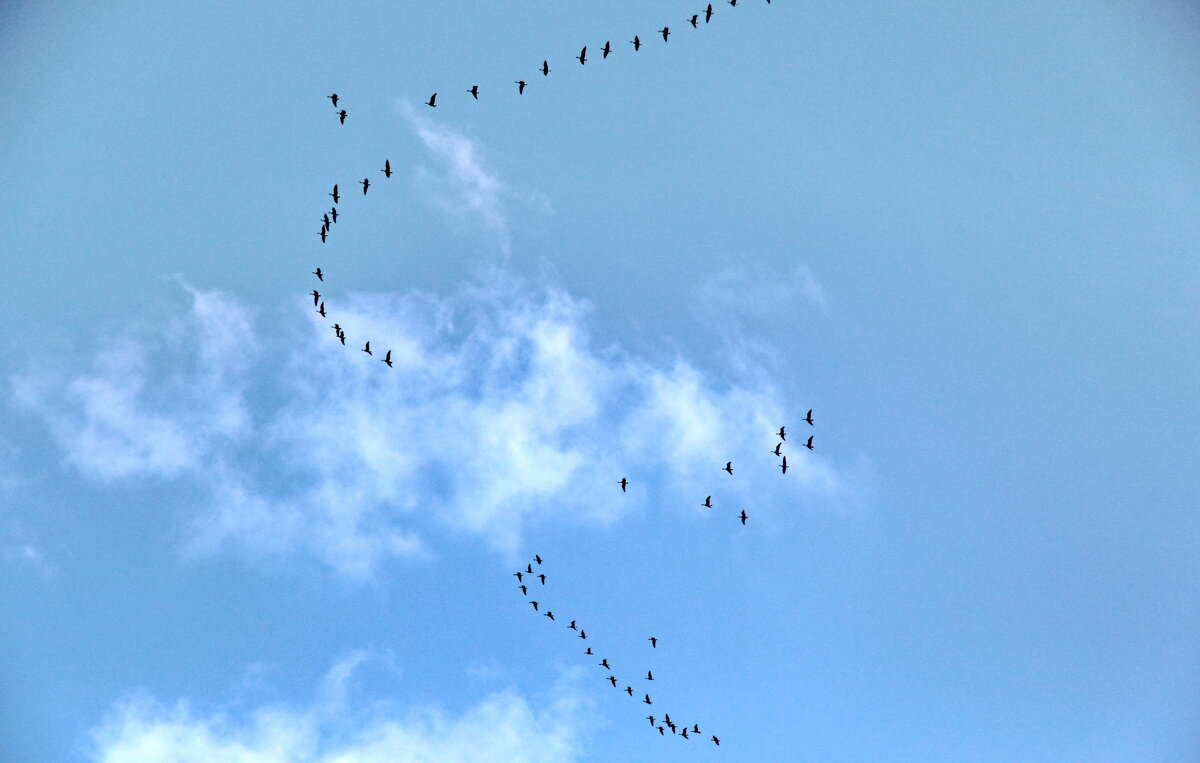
967	237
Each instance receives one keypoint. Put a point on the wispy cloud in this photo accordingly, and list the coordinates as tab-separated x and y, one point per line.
504	727
500	411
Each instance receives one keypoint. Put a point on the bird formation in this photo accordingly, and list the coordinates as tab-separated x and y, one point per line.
659	724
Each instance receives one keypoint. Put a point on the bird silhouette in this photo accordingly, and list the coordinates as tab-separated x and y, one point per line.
534	603
716	741
520	86
321	310
323	229
607	49
729	466
613	679
524	590
684	733
333	97
542	578
649	675
366	183
518	574
474	91
316	295
325	219
604	664
572	626
342	117
432	102
342	336
582	633
387	168
808	417
781	434
809	443
629	690
367	348
333	211
665	31
637	44
623	483
387	358
778	448
647	700
582	55
707	502
529	569
708	13
653	642
660	731
733	3
743	516
537	558
783	466
588	650
549	614
651	719
696	726
693	20
667	719
545	68
336	328
335	197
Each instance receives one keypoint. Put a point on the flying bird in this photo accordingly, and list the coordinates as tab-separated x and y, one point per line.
534	603
524	590
783	466
336	328
607	49
321	310
604	664
387	168
733	3
545	68
613	679
665	31
637	44
696	726
653	642
342	336
342	117
520	86
537	558
518	574
809	443
388	358
333	211
623	482
333	97
684	734
542	578
572	626
808	418
781	434
549	614
708	13
778	448
729	466
474	91
529	569
693	19
629	690
660	731
367	348
743	516
335	197
707	502
323	234
716	741
432	102
588	651
647	700
582	55
649	675
366	183
316	295
325	219
651	719
582	633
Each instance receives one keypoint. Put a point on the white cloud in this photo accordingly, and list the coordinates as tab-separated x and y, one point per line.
504	728
500	411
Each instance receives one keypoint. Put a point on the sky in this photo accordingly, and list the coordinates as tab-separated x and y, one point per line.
965	236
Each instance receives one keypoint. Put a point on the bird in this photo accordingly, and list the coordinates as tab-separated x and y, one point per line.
388	358
549	614
387	168
432	102
783	466
537	558
316	295
623	482
534	603
474	91
707	502
607	49
695	728
529	569
333	211
572	626
582	55
651	719
366	183
716	741
647	700
322	234
367	348
613	679
684	734
518	574
545	68
325	226
335	197
342	336
667	719
321	310
809	443
649	675
729	466
660	730
781	434
653	642
708	13
336	328
693	19
629	690
588	650
733	3
342	117
524	590
582	633
778	448
520	86
665	31
637	44
808	418
542	578
743	516
604	664
333	97
325	219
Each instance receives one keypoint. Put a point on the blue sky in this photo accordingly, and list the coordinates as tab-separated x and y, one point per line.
965	236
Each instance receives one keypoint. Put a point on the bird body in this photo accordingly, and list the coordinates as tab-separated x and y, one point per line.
781	434
582	55
613	680
535	605
653	642
809	444
707	502
387	168
321	310
316	295
778	448
607	49
623	483
432	102
743	516
366	183
665	32
545	68
729	466
637	44
323	233
708	12
335	197
333	97
783	466
342	117
520	86
629	690
649	675
388	358
474	91
333	210
808	418
604	664
549	614
537	558
542	578
367	348
647	700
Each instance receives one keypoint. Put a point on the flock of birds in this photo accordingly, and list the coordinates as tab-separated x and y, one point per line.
330	218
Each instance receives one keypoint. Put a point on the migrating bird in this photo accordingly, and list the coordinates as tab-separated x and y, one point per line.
613	679
321	310
524	590
693	19
589	651
684	734
653	642
743	516
518	574
604	664
647	701
335	197
323	229
582	633
474	91
542	578
520	86
316	295
783	466
545	68
432	102
778	448
572	626
342	117
534	603
607	49
367	348
665	31
729	466
637	44
529	569
366	183
809	443
333	97
549	614
623	482
388	359
696	726
808	418
629	690
660	731
781	434
649	675
733	3
387	168
333	211
716	741
342	336
582	55
708	13
336	328
651	719
707	502
325	219
537	558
